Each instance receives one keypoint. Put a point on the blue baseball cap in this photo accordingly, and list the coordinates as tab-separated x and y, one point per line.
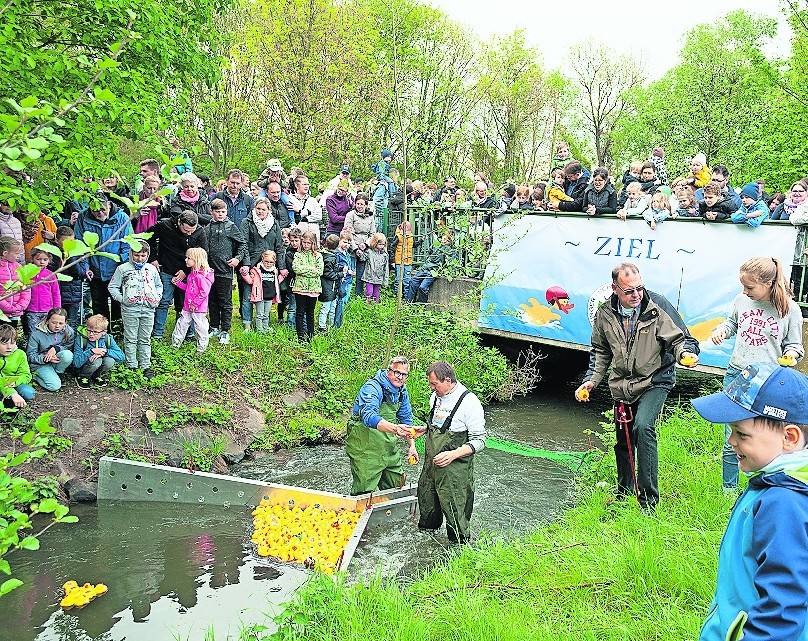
760	389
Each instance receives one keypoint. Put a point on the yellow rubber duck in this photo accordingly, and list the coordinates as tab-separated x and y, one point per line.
787	360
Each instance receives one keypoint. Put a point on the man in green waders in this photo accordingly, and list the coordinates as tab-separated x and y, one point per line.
455	433
381	415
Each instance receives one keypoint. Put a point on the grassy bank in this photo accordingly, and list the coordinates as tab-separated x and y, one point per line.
603	571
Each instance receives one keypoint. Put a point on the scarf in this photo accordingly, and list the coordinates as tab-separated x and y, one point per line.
789	206
263	226
189	199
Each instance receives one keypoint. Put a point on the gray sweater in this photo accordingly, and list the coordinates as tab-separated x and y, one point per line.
377	268
762	336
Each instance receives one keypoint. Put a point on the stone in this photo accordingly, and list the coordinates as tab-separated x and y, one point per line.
71	426
80	491
294	398
150	415
233	454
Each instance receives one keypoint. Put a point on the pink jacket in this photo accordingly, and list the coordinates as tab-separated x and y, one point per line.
197	289
16	304
253	278
45	296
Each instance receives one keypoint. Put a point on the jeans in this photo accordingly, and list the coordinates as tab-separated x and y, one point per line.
419	287
407	269
373	292
99	293
170	293
729	462
291	310
96	368
47	376
26	391
262	311
304	316
328	311
360	270
138	322
246	305
184	321
74	318
220	303
30	320
339	308
643	446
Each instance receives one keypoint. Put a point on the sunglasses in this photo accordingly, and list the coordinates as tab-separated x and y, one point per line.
632	290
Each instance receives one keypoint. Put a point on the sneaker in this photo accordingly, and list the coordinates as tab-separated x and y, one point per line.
83	382
148	374
200	350
224	338
175	344
100	381
215	332
247	327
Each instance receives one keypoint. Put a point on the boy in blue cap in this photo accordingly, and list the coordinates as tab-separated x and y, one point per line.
762	584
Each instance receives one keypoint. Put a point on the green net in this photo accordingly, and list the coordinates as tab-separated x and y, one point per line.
573	460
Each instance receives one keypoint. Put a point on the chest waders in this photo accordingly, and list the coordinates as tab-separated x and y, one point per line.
375	455
446	492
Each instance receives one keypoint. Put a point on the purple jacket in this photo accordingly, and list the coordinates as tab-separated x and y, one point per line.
337	209
45	296
197	288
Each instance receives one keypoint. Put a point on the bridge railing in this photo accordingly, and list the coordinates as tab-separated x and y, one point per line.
473	228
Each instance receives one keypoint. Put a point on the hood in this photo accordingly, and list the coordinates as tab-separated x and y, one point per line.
42	326
789	471
387	386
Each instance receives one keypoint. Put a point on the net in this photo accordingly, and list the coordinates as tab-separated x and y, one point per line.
572	460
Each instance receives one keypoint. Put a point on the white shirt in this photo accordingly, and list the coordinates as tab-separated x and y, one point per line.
469	417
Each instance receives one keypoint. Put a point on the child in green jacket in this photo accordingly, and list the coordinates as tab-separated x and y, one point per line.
15	374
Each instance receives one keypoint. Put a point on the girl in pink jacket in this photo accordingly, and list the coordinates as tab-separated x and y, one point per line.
12	305
197	289
45	294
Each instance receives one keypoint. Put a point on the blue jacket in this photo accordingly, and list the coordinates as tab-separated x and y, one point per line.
116	226
83	346
759	207
762	586
238	209
369	400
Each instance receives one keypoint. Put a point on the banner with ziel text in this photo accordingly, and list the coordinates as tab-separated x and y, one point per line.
549	274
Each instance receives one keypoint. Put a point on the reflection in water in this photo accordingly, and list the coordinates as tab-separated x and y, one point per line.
171	570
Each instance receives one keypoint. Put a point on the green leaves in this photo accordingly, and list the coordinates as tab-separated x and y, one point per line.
91	238
27	272
9	585
73	247
51	249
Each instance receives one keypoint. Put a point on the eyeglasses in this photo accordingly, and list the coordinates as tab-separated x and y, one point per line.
632	290
397	374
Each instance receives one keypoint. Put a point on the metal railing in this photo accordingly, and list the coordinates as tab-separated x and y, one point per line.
473	229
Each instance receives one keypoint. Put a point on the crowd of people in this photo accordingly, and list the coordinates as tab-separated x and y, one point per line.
280	245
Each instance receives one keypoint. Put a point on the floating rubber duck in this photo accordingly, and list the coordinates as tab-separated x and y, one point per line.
312	536
558	297
787	360
77	596
537	314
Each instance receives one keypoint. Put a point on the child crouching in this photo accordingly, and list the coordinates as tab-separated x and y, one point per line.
14	371
136	285
95	353
197	287
49	349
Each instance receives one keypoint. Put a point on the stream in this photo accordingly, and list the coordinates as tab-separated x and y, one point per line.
190	572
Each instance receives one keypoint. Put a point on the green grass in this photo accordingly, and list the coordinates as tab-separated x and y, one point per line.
602	571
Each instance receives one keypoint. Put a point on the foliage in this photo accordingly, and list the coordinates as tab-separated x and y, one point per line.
91	72
201	453
604	570
179	415
724	98
21	499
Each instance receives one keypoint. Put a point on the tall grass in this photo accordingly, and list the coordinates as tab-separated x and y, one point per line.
603	571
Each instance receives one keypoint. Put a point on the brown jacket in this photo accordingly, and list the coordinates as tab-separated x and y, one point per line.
648	357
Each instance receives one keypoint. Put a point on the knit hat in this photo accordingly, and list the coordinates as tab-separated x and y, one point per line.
700	158
344	185
750	190
386	153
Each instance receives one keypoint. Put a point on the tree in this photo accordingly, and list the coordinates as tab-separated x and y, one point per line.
605	78
51	52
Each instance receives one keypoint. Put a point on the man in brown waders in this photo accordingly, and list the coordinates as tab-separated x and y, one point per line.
455	433
637	337
381	415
